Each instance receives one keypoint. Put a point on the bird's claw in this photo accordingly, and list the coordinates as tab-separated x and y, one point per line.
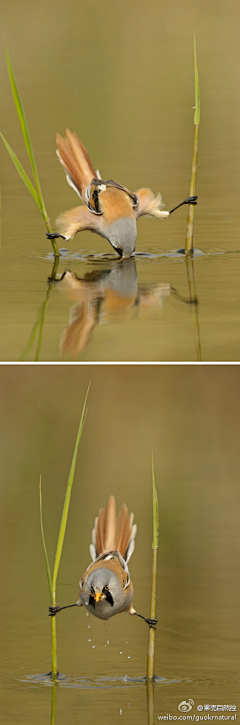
53	610
191	200
152	623
54	235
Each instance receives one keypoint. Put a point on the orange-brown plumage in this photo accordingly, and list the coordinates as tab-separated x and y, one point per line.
115	566
116	204
105	587
110	209
75	161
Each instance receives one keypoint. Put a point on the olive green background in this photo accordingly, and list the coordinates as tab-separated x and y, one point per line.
121	75
190	417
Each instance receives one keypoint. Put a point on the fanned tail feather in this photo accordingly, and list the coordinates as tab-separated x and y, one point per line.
75	161
113	534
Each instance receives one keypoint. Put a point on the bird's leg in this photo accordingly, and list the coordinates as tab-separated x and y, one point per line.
189	200
150	622
53	610
55	235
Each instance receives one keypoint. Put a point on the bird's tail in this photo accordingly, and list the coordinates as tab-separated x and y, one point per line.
111	533
76	162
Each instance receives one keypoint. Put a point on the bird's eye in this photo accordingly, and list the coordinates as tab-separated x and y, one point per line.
106	587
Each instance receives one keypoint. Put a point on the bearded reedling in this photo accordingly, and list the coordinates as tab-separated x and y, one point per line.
105	587
108	209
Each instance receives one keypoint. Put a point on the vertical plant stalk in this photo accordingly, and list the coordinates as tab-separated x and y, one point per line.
36	192
190	219
52	580
151	635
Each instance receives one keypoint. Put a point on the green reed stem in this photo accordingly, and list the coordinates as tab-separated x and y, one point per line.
151	636
190	219
54	644
52	580
36	193
66	504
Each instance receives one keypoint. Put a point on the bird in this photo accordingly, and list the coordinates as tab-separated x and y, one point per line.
105	587
109	209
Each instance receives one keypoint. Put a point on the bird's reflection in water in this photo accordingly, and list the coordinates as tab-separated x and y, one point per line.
105	296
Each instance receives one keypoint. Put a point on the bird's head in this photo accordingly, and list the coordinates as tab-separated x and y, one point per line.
102	593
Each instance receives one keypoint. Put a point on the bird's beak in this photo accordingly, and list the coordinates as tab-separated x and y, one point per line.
98	596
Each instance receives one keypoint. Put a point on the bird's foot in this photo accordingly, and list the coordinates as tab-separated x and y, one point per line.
55	235
151	622
191	200
53	610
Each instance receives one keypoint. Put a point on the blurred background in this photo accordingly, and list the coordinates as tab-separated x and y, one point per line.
121	76
190	417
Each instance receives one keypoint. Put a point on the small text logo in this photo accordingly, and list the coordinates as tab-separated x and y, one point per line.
185	706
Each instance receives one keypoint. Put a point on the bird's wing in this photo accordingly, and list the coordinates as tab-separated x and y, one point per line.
148	204
76	220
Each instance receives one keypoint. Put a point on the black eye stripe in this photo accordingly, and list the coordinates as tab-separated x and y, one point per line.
108	595
105	591
91	600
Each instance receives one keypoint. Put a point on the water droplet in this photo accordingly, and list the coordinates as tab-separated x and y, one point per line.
120	653
108	641
89	626
120	711
129	657
89	640
93	646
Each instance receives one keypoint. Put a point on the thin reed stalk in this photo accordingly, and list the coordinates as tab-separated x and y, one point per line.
52	580
190	219
151	636
35	191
